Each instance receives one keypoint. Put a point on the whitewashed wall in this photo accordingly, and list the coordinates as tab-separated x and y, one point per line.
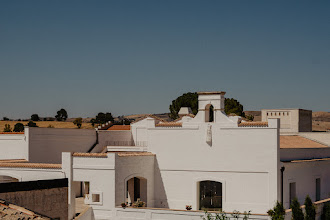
245	160
134	166
14	146
31	174
134	213
305	174
47	144
100	173
288	154
114	136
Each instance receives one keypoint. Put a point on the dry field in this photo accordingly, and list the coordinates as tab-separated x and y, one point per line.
45	124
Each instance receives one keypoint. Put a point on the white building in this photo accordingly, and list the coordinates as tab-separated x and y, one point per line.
292	120
224	163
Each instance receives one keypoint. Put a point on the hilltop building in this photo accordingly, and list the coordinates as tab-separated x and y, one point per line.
209	161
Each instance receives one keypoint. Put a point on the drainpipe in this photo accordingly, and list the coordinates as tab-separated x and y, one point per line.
282	173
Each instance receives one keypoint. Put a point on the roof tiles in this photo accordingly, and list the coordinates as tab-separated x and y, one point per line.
119	128
253	124
32	165
77	154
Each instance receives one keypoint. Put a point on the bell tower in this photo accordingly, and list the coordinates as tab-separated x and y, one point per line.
211	101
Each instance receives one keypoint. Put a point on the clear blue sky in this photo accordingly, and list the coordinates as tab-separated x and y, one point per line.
134	56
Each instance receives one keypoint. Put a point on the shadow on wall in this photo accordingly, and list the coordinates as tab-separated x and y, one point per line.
160	193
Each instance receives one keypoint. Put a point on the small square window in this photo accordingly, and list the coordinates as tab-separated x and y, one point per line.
96	198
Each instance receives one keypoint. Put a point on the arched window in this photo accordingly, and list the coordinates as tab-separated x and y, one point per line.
209	113
210	195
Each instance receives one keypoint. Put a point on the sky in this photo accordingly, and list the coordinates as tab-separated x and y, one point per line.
132	57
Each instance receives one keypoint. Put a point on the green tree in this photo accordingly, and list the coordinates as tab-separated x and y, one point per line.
310	209
297	213
249	117
78	122
326	211
7	128
62	115
278	212
19	127
35	117
102	118
232	106
5	119
190	99
31	124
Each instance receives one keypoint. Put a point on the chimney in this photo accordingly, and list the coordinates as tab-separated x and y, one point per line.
184	111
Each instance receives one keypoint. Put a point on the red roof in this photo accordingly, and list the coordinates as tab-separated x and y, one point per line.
120	128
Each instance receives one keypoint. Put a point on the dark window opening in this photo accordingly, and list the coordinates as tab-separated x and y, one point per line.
210	195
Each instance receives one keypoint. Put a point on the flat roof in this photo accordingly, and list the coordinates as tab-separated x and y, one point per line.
281	109
296	141
212	93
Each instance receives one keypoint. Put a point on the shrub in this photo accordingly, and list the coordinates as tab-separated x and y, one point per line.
309	209
249	117
7	128
297	213
278	212
326	211
139	203
19	127
78	122
32	124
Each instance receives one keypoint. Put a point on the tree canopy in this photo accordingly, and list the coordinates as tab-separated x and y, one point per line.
78	122
32	124
35	117
19	127
102	118
62	115
190	99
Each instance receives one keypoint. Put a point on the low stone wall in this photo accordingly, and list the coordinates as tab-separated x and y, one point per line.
48	197
169	214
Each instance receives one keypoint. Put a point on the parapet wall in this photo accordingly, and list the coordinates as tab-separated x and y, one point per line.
14	145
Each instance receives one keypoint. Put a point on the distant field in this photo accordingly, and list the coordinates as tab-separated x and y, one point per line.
45	124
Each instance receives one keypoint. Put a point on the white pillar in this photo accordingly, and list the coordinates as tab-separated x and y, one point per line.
67	168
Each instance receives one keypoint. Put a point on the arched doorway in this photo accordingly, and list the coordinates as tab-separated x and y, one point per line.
209	113
136	189
210	195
